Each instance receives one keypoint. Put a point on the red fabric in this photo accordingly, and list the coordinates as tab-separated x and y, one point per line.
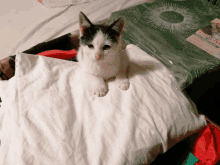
207	146
60	54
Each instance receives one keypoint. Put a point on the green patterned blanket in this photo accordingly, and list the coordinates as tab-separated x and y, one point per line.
161	29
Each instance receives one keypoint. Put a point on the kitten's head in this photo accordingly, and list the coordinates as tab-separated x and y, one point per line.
99	42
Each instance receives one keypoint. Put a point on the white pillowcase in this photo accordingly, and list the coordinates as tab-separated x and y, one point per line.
49	115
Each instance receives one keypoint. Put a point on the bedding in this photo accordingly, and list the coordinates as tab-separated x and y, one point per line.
187	62
61	3
27	23
48	115
34	29
161	29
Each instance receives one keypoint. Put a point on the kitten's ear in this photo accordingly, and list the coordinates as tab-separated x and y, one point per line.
118	26
84	22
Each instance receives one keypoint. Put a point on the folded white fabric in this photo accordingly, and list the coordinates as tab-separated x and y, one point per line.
50	117
62	3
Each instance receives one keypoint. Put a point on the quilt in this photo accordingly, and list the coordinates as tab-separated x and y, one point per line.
162	28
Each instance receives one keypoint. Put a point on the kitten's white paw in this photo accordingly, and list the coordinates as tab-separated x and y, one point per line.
124	85
100	91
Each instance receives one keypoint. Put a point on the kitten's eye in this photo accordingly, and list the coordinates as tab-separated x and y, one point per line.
106	47
90	46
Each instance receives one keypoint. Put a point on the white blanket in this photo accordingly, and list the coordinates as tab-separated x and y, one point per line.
26	23
61	3
49	117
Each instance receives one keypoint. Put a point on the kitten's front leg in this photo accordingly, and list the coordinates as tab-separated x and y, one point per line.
99	86
122	79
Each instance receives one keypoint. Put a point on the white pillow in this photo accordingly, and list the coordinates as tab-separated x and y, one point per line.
52	118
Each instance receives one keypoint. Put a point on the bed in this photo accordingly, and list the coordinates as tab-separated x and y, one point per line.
29	23
90	130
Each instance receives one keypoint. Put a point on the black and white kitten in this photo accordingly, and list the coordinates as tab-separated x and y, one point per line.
101	56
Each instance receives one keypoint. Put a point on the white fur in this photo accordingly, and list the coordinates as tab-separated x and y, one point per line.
113	62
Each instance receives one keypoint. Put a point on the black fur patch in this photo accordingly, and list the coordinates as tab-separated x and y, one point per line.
89	34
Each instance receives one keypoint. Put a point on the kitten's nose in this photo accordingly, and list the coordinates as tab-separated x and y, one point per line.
98	56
